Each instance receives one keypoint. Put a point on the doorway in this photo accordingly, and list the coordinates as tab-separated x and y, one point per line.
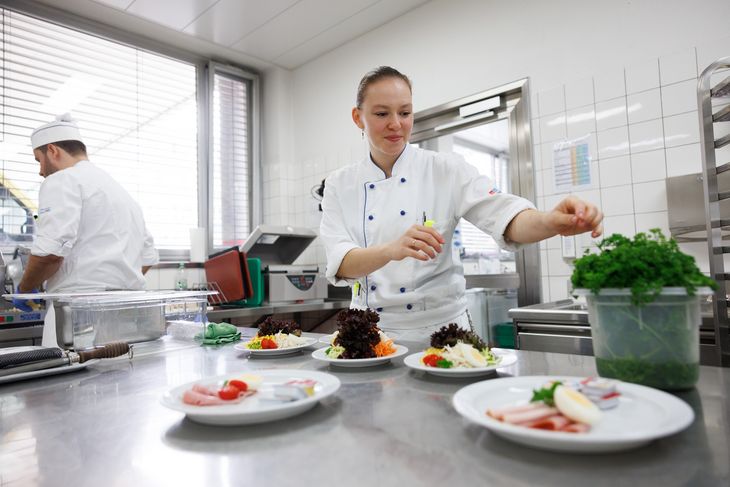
491	130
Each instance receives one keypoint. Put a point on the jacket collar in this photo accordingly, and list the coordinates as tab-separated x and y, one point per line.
371	172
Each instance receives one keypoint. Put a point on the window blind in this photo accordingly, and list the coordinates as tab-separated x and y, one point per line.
136	110
231	155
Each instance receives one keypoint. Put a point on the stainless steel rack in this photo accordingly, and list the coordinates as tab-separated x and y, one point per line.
714	136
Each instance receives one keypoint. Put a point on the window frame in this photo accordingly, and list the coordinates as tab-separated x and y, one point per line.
254	149
205	69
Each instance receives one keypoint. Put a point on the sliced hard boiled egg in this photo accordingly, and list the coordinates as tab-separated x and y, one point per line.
576	406
472	355
252	381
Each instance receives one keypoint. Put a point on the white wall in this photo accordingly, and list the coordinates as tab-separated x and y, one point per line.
581	57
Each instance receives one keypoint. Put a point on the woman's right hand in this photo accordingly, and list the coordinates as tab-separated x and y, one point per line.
419	242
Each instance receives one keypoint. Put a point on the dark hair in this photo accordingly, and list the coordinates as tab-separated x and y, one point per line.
73	147
376	75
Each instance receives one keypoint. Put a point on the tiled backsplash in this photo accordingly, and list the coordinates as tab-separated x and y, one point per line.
643	127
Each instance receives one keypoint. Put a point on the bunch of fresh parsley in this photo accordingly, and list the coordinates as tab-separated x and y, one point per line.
645	264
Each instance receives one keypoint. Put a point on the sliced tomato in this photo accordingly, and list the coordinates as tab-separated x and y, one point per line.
431	360
238	384
268	343
228	393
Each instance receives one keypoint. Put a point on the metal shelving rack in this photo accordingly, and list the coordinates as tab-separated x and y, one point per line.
714	136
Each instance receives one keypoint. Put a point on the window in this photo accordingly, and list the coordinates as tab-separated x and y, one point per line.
231	173
137	112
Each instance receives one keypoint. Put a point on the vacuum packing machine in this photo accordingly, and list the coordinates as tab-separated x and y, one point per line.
278	247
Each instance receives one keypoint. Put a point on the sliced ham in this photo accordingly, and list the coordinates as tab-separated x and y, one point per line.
553	423
500	412
576	428
201	396
529	416
204	390
195	398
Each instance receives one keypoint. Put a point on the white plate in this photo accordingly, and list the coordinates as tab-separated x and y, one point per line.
270	352
643	414
400	350
327	339
255	408
505	358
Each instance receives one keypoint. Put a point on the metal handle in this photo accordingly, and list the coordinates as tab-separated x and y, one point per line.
533	326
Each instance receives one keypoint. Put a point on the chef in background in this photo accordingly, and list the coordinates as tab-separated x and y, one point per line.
388	220
90	233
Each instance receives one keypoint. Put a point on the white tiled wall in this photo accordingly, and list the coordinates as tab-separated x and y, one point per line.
643	127
165	278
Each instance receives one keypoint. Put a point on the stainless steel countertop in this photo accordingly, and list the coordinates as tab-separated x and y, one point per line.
386	426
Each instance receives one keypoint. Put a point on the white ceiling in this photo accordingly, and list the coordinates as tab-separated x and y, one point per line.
285	33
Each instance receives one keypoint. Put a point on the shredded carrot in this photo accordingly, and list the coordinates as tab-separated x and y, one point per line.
385	347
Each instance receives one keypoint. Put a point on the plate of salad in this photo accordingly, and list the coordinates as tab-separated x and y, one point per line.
276	337
573	414
239	399
456	352
359	342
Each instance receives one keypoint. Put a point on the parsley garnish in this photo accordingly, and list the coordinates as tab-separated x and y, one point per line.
545	394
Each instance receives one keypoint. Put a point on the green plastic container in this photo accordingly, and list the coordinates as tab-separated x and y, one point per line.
656	344
504	335
257	280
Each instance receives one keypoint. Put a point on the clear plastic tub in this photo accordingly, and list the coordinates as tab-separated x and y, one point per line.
656	344
89	321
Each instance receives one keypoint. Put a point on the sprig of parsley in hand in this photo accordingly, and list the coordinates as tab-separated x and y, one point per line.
545	394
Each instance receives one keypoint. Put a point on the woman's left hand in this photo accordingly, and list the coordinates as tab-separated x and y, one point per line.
573	216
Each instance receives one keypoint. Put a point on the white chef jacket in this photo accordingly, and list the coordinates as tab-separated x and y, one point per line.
87	218
361	208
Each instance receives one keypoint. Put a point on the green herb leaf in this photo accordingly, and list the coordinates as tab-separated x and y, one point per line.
444	364
545	394
645	264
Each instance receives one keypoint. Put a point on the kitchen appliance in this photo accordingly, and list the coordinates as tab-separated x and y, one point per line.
563	327
278	247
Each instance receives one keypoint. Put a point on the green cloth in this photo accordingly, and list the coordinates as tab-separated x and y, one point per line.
220	333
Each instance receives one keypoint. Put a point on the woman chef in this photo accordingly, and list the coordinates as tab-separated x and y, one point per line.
388	221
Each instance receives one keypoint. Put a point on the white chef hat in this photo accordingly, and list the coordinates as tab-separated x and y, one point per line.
63	128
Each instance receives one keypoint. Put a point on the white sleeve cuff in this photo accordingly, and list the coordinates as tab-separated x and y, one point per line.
150	257
504	220
43	246
334	260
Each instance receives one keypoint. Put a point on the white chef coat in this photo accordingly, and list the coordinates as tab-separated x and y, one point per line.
363	208
87	218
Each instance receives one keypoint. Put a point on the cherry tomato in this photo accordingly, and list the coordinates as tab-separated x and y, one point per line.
268	343
228	393
431	360
238	384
